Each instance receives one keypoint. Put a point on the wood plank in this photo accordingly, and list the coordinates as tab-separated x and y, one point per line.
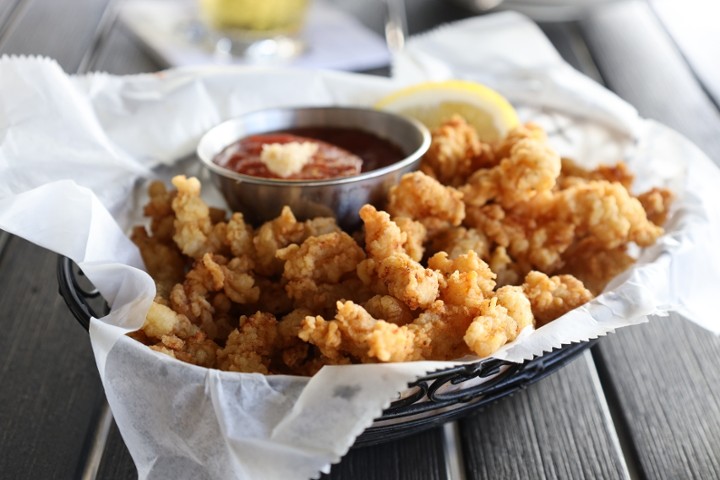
63	30
418	457
8	9
639	62
558	428
396	460
116	461
692	24
663	376
51	391
666	379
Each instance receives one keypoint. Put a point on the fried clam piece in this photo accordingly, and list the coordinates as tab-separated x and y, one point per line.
281	232
467	279
389	308
572	174
500	321
415	235
426	200
239	236
196	349
459	240
322	270
552	297
656	203
171	333
252	346
296	357
529	130
456	152
195	233
438	331
159	209
595	266
534	240
531	168
163	261
355	334
606	212
390	269
209	277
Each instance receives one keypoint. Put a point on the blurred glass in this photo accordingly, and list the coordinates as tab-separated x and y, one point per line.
256	29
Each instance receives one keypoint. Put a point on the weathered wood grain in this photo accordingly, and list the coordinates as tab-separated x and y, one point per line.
556	429
61	29
663	375
8	8
51	392
418	457
693	25
639	62
116	461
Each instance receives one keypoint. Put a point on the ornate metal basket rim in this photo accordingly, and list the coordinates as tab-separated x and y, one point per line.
431	400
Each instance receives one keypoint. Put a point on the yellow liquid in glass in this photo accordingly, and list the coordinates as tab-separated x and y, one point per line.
255	16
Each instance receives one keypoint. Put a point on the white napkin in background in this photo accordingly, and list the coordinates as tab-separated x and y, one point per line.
509	53
182	421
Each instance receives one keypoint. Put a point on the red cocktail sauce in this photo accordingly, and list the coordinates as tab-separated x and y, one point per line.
342	152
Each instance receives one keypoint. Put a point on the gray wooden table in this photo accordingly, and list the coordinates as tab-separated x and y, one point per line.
644	403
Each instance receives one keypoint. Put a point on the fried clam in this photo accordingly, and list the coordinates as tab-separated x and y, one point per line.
484	242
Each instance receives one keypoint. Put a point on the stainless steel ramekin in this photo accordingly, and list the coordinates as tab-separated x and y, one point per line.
262	199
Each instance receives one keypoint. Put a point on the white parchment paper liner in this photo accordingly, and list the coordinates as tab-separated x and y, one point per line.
74	149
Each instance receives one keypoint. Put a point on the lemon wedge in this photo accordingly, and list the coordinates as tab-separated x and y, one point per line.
432	103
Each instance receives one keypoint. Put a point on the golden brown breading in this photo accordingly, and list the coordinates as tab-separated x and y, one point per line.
572	174
355	333
532	167
346	299
388	308
456	152
163	261
271	237
426	200
467	279
594	265
321	271
552	297
605	211
196	349
415	235
501	319
195	233
459	240
521	132
250	348
656	203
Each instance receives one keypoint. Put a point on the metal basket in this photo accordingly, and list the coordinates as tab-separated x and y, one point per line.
429	401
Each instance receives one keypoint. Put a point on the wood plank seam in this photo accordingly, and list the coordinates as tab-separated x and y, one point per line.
618	418
105	26
4	240
15	12
96	444
454	461
710	97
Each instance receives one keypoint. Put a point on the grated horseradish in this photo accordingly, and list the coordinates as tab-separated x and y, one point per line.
285	159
